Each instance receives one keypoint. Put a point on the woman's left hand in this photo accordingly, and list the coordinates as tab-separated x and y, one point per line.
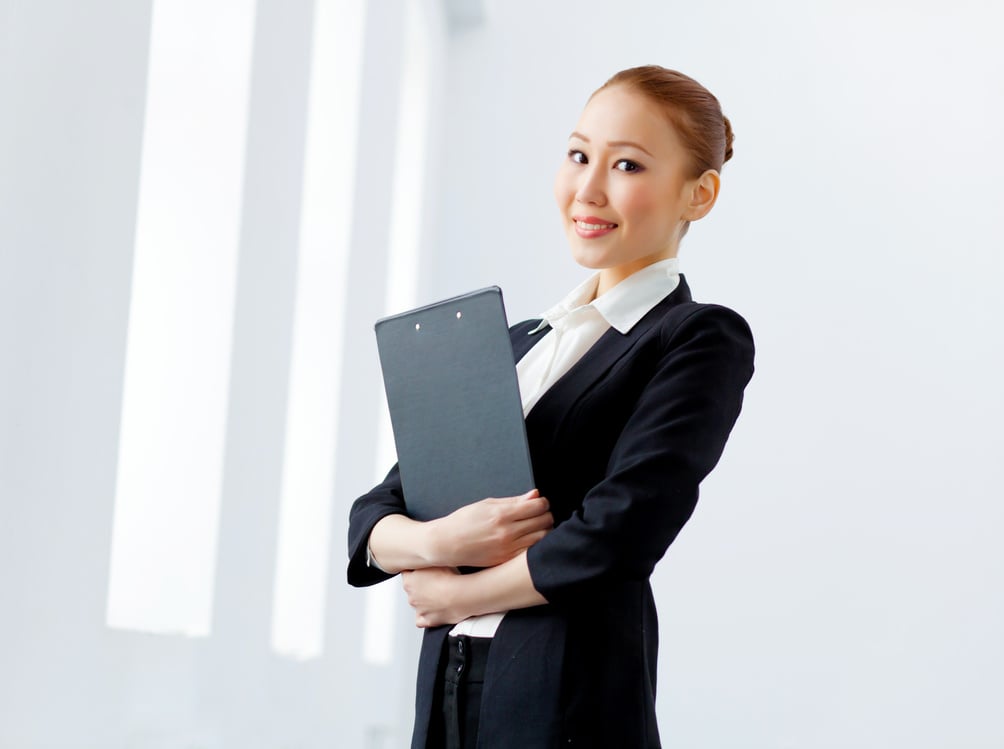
434	593
441	595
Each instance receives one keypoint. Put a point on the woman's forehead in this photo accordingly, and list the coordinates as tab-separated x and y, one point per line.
620	115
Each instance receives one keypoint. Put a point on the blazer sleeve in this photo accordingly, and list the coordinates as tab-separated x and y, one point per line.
385	499
673	438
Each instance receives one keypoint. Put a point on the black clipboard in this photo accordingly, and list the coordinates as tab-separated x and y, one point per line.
454	403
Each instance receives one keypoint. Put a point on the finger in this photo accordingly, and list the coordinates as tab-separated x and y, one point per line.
525	542
528	508
531	525
532	494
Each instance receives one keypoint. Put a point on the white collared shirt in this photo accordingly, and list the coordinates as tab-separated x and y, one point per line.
576	323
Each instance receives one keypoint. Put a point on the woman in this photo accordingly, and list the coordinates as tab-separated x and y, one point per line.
630	390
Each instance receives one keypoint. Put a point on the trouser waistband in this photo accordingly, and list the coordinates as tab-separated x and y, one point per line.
466	658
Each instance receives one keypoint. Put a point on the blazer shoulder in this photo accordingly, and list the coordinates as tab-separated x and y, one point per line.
710	330
692	316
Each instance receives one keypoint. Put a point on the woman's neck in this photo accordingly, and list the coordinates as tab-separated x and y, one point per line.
610	277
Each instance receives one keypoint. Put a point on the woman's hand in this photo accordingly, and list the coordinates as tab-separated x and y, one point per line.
482	534
441	595
433	593
492	531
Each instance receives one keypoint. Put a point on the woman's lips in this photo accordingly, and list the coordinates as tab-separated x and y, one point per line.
591	227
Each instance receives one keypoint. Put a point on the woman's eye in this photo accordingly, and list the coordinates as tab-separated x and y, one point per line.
626	165
577	156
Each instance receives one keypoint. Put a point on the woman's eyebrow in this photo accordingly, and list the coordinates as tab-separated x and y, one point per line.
614	143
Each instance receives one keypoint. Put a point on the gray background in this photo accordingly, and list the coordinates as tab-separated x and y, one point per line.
840	583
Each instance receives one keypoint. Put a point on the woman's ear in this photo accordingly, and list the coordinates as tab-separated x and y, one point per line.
703	194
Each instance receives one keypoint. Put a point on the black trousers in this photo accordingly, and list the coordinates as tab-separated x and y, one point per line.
457	700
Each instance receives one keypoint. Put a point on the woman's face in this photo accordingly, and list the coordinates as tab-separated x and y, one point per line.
624	190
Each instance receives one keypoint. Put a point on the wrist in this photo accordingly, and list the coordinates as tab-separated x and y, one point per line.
461	597
433	548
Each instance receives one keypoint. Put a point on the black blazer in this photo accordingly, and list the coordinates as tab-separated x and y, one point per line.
619	446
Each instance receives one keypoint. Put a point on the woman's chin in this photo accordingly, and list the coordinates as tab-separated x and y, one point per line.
591	260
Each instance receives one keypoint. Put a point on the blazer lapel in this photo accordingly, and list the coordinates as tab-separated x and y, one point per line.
523	340
611	347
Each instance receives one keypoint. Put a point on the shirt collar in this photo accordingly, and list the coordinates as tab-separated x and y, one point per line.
626	303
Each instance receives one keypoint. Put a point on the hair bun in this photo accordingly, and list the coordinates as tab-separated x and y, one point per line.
729	137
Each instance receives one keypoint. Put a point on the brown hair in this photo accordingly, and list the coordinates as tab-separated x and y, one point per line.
692	110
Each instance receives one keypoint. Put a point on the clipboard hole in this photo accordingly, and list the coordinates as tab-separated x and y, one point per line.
459	315
418	326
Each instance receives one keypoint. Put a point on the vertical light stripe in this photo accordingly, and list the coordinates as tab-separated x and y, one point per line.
316	365
409	164
402	280
181	317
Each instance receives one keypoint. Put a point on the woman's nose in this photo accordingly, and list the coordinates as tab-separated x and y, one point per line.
591	189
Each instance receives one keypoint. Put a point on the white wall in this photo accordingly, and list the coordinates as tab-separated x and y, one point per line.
840	582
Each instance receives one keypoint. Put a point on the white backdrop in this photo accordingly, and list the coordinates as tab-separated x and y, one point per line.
840	584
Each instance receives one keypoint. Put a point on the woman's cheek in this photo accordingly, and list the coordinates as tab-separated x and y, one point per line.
563	188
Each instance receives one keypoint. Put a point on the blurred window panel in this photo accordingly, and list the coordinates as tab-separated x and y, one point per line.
178	351
318	329
406	231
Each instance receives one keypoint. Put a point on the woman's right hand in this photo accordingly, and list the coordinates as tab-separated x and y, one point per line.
492	531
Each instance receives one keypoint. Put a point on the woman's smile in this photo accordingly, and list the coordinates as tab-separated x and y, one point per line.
591	227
